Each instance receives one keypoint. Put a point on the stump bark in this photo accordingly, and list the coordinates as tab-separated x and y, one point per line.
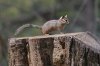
73	49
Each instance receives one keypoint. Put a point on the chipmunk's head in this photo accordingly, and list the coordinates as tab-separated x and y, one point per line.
64	19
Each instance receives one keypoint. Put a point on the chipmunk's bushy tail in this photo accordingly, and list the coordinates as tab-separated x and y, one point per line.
36	26
25	26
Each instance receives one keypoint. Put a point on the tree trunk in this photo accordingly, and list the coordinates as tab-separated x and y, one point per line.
74	49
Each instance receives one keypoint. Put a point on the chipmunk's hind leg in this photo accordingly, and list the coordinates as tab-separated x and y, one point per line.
49	34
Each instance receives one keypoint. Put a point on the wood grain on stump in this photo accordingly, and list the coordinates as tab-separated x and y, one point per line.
73	49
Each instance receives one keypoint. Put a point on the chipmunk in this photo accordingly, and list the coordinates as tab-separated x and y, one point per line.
47	27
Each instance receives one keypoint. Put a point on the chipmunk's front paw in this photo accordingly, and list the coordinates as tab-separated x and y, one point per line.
62	33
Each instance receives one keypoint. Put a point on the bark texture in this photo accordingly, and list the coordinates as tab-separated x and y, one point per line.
74	49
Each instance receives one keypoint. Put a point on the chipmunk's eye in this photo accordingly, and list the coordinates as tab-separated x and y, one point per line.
66	20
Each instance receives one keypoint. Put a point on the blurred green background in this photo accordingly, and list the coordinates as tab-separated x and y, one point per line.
84	15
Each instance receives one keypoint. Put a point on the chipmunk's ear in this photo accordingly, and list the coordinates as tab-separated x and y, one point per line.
63	17
60	18
66	15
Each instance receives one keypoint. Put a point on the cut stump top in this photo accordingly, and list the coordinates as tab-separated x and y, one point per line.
88	39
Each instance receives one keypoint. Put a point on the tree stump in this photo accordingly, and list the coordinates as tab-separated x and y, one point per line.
73	49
